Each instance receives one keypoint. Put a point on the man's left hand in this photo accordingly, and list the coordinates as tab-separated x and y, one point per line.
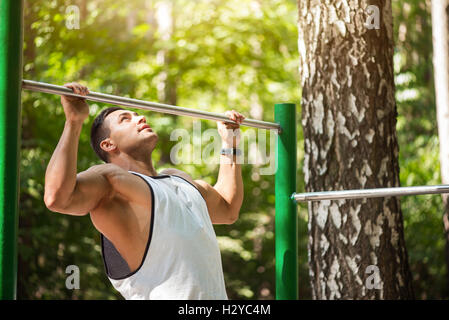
229	131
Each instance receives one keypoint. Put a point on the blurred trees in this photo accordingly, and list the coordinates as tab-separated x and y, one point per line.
418	146
440	39
226	55
220	55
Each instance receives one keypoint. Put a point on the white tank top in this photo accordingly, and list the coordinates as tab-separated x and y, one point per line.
182	258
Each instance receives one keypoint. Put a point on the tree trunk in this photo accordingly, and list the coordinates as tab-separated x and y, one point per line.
167	83
440	32
356	247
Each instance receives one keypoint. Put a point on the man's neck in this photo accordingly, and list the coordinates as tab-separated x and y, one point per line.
141	166
148	171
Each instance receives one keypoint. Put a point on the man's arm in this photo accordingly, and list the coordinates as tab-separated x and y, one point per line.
225	198
91	187
227	193
61	175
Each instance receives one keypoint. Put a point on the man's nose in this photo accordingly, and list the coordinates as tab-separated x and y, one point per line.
141	119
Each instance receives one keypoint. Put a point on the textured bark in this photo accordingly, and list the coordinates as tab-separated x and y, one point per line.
440	38
349	118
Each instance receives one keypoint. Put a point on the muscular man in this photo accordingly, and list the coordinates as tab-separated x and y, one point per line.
156	229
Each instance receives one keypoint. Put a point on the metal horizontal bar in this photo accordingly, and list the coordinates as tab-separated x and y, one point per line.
145	105
370	193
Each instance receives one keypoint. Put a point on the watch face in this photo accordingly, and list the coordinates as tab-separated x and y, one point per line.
231	151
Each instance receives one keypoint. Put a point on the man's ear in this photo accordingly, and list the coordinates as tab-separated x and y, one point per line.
108	145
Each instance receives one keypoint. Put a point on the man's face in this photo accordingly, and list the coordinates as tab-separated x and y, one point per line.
129	131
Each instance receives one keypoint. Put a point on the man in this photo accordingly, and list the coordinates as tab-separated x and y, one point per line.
156	229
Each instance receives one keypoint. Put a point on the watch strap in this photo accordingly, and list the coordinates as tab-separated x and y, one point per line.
231	151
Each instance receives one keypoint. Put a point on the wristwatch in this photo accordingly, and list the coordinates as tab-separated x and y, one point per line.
231	151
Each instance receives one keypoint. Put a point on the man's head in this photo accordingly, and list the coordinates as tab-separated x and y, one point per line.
116	130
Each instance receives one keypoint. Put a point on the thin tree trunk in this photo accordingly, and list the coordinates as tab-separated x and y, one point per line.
167	84
440	33
83	10
356	247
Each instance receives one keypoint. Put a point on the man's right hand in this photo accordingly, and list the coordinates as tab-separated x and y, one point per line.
75	109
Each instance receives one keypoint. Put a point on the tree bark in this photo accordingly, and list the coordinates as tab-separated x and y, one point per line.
356	247
440	33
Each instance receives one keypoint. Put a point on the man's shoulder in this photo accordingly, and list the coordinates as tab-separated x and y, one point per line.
202	186
177	172
106	168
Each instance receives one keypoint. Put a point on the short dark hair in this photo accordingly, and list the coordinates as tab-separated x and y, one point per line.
98	133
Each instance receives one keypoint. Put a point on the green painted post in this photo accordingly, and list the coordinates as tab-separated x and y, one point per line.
10	90
286	222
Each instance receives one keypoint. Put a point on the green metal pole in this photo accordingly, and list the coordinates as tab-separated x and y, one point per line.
10	90
286	223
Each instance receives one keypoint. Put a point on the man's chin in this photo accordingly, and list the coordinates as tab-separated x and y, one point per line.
151	134
150	138
154	138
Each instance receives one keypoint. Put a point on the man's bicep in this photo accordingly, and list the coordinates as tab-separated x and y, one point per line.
91	187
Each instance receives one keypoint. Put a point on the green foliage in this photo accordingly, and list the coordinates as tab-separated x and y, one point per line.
419	150
221	55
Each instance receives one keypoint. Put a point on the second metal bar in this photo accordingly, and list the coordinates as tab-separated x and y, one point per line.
370	193
146	105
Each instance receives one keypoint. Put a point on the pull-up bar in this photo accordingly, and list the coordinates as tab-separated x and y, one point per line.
370	193
146	105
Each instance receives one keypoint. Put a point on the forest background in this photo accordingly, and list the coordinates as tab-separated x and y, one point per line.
215	56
